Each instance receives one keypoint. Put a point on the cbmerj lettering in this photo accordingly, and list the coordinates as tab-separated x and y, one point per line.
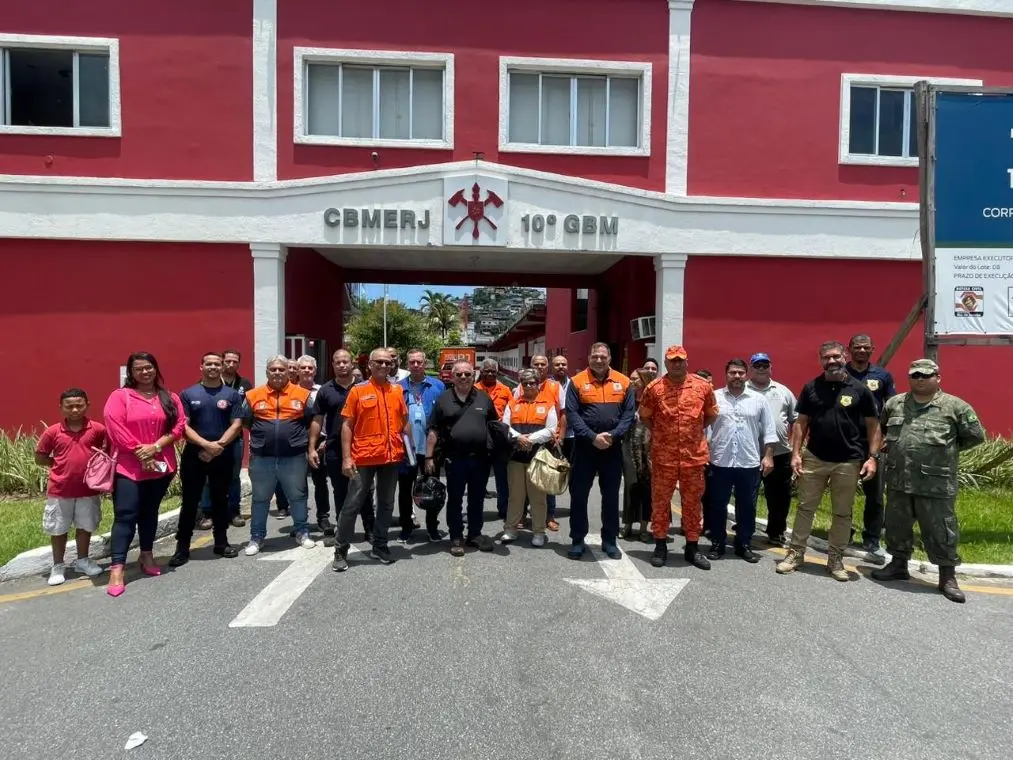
388	219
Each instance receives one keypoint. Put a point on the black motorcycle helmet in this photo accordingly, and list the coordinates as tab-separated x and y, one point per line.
429	493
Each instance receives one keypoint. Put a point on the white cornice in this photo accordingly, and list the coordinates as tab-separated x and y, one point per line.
997	8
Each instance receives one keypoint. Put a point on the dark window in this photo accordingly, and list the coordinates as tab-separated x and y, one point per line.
56	88
882	122
579	320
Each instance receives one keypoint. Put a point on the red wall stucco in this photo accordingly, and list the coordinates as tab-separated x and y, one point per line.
625	293
778	306
634	30
314	297
765	91
559	321
72	312
186	86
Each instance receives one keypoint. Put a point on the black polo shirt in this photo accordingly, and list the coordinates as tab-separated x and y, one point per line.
240	384
328	404
837	412
462	427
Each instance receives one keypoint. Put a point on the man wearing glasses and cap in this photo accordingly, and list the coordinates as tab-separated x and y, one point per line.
677	408
925	430
777	482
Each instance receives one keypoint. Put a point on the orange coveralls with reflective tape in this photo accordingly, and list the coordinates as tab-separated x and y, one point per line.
677	414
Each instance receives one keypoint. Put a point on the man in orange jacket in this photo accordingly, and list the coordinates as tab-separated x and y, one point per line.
372	448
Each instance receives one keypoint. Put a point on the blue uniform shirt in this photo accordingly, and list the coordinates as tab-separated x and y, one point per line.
210	411
421	398
878	381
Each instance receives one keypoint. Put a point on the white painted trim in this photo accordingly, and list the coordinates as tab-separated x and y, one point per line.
998	8
848	81
268	303
574	66
108	45
677	143
265	90
305	55
669	298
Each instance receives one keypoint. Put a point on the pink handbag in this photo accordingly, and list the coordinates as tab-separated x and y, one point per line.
100	472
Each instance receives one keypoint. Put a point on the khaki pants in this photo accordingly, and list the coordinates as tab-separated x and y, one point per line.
843	480
519	486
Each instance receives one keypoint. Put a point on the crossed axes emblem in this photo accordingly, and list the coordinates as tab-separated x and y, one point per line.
476	207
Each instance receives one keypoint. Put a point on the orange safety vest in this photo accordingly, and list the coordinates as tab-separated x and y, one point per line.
377	414
528	417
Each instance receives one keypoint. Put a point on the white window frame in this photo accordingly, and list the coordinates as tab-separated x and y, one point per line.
574	67
108	45
303	56
888	82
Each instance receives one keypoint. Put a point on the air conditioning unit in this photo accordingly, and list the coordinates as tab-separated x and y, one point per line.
642	328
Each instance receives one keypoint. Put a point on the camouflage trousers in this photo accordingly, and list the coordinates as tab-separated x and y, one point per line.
937	520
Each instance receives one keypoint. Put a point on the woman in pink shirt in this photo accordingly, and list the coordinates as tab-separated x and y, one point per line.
143	421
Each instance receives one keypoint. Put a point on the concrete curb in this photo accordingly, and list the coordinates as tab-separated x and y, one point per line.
40	561
914	566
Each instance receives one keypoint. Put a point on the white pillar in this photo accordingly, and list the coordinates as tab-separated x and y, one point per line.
677	150
670	287
265	90
268	305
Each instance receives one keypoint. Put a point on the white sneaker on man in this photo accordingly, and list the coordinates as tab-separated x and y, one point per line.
56	576
304	540
252	548
88	566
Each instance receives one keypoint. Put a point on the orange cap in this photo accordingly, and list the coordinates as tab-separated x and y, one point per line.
676	352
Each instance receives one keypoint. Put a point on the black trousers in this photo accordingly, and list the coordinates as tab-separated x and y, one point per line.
874	512
466	474
339	484
194	474
405	502
777	492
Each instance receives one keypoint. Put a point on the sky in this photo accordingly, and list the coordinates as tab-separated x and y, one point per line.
410	295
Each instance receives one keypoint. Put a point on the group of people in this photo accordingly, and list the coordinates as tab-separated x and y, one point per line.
367	440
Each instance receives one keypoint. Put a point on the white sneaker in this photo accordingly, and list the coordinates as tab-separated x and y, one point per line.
304	540
539	539
252	548
56	576
87	566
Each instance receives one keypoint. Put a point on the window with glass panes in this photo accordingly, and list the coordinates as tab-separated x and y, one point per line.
883	122
54	87
374	102
574	110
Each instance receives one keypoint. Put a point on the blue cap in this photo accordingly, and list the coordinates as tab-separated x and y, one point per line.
759	358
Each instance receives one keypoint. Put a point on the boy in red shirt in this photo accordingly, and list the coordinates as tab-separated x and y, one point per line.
65	449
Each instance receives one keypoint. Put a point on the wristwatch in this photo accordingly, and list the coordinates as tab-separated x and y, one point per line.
158	448
874	456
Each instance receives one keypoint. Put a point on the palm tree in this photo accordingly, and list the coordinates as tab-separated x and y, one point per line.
441	309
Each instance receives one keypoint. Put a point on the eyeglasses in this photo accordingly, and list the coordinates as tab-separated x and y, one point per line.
382	362
464	374
921	375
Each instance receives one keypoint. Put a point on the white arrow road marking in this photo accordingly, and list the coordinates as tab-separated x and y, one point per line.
268	607
625	584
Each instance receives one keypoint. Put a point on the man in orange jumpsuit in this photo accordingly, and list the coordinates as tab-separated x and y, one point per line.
676	408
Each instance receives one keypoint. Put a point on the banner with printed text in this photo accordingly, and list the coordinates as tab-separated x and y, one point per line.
974	214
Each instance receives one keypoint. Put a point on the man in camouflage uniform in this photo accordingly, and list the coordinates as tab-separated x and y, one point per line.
925	430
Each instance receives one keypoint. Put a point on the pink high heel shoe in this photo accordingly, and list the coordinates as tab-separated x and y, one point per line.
115	589
152	569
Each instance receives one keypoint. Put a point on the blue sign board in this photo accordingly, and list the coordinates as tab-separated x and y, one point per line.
973	263
974	170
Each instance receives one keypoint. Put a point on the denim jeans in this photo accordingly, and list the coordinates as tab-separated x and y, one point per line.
339	484
471	473
235	488
607	466
721	483
135	506
384	478
266	474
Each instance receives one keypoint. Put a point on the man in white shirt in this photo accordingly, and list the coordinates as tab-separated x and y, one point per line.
742	439
777	483
397	372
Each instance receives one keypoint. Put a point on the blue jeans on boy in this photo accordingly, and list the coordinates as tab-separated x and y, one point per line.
235	490
266	474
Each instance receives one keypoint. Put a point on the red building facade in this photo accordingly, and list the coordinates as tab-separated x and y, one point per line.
204	175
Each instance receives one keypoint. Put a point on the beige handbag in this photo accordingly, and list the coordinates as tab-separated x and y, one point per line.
548	472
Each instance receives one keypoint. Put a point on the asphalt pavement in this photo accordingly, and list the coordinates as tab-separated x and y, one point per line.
499	656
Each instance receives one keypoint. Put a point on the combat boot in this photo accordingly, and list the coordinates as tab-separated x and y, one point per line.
895	571
948	585
660	555
835	566
794	560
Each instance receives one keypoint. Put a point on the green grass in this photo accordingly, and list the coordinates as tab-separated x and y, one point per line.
985	516
21	524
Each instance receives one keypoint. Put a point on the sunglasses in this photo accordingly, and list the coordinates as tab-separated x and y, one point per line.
382	362
762	365
530	382
464	374
921	375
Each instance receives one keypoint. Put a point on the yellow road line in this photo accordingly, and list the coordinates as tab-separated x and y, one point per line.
81	583
996	590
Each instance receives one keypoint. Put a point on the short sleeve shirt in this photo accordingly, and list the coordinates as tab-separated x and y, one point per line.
678	412
70	451
837	411
329	402
210	411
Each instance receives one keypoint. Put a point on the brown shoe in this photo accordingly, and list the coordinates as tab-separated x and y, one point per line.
790	563
457	547
552	525
204	523
948	586
835	566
